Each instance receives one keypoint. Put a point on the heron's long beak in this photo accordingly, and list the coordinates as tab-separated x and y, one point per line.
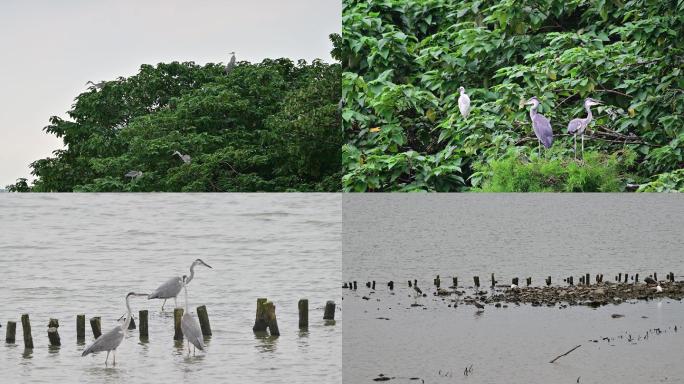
207	265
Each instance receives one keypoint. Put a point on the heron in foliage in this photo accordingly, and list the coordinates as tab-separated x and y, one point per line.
231	63
111	340
172	287
464	103
577	126
133	174
189	325
186	158
540	124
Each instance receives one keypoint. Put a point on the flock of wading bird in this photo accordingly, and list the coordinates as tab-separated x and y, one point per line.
540	123
108	342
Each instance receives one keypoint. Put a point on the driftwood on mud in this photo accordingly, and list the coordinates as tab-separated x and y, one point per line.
566	353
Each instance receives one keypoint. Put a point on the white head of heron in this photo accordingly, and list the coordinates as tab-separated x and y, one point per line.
533	101
588	102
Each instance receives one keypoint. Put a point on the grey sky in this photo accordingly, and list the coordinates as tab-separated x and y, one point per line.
51	48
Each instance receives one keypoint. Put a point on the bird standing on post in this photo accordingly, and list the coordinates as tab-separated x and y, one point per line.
172	287
189	325
231	63
540	124
577	126
464	103
111	340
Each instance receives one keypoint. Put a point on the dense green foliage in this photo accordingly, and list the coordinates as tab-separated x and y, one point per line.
271	126
665	182
405	59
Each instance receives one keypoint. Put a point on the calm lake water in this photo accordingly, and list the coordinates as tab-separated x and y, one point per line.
62	255
401	237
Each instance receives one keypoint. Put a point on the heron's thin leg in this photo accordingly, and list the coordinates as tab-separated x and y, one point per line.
115	357
575	147
163	305
582	145
107	358
175	302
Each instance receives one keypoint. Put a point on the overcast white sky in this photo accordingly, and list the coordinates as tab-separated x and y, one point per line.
51	48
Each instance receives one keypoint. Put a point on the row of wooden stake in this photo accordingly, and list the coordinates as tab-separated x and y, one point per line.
265	320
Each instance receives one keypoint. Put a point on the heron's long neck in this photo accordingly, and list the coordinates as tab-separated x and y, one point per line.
533	112
192	273
589	115
185	288
127	322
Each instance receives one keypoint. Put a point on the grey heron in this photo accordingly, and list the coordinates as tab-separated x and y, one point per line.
231	63
189	325
133	174
96	86
186	158
172	287
464	103
540	124
111	340
577	126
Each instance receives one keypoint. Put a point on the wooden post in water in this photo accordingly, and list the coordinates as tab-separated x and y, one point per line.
528	282
53	334
493	281
587	279
368	284
11	332
26	328
80	327
260	320
476	280
355	286
96	326
436	281
455	281
144	332
625	278
655	276
329	313
391	285
570	280
415	282
636	278
581	280
303	307
203	317
269	307
177	331
410	285
619	277
514	281
548	281
373	287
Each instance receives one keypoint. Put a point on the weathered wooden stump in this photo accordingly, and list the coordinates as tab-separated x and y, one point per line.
355	286
177	331
260	323
11	332
514	281
269	307
415	282
329	313
373	287
53	334
454	280
80	327
368	284
581	280
391	285
476	280
95	325
26	329
303	307
410	284
636	278
571	280
528	281
203	317
143	330
587	279
493	281
548	281
436	281
655	276
619	277
625	277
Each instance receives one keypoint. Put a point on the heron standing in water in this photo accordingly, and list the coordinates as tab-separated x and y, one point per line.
463	103
111	340
231	63
577	126
186	158
540	124
189	325
172	287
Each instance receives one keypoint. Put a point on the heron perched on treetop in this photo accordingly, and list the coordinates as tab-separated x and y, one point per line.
540	124
577	126
111	340
231	63
172	287
464	103
189	325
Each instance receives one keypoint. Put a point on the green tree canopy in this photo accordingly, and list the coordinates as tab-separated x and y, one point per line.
271	126
404	61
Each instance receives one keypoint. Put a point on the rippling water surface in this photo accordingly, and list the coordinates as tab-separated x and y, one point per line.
402	237
62	255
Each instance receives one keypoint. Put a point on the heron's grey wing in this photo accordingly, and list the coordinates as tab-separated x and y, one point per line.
464	105
574	125
106	341
131	174
542	128
192	331
171	288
